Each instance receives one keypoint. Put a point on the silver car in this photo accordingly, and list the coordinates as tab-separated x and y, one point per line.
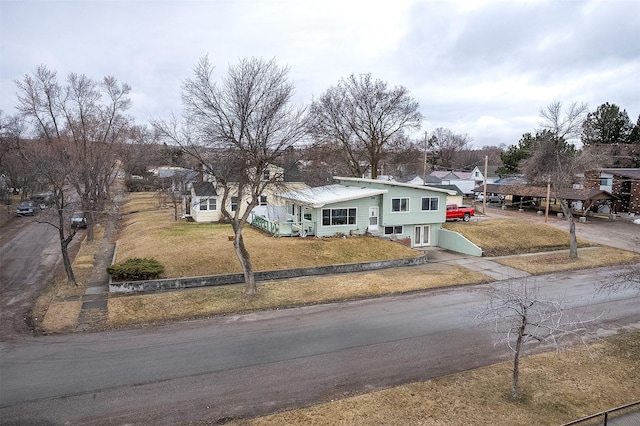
26	208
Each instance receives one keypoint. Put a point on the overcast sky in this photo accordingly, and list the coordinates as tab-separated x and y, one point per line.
480	67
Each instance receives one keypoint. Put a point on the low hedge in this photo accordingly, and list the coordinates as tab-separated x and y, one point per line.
136	269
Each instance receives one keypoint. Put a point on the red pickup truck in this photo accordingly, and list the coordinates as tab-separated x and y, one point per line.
459	212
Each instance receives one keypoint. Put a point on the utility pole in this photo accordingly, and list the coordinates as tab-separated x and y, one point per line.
424	171
484	197
546	210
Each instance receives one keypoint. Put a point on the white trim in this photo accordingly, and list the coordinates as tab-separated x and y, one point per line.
391	183
321	221
408	210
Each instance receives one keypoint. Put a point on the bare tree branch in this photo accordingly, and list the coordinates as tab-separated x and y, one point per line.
364	118
518	314
237	129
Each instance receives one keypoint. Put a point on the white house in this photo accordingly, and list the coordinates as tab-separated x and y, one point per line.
203	203
465	180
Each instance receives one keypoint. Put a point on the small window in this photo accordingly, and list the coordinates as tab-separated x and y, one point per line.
208	204
391	230
429	204
266	175
263	200
234	204
399	204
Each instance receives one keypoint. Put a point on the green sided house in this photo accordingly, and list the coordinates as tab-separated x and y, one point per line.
357	206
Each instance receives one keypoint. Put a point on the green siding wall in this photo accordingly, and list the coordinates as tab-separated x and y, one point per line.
362	217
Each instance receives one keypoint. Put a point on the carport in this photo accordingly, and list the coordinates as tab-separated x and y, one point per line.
534	197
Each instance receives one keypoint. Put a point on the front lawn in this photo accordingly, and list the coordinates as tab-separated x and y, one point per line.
194	249
504	237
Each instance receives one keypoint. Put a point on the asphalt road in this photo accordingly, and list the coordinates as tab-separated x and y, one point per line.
249	365
29	254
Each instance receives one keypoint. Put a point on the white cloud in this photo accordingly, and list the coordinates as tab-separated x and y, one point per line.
479	67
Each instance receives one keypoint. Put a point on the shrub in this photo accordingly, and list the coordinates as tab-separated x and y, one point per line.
136	269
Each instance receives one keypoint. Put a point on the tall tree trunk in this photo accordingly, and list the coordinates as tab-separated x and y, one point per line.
516	358
64	245
71	278
250	288
573	241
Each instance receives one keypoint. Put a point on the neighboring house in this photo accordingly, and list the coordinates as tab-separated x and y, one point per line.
434	182
624	184
465	180
431	180
356	206
202	205
175	178
203	202
458	198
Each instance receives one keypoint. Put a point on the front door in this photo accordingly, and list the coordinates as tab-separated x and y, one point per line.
421	235
373	218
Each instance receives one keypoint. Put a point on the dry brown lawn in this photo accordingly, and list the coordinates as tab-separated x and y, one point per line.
51	311
190	249
149	308
556	262
195	249
504	237
555	386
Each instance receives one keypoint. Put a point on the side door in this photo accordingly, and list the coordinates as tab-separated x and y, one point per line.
374	212
422	234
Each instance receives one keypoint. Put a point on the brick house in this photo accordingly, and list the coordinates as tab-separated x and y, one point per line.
622	183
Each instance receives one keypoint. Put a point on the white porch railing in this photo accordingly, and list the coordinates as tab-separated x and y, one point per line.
288	228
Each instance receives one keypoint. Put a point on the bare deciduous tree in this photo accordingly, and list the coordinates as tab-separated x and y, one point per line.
89	118
519	315
627	276
140	150
555	160
49	163
564	123
447	145
364	118
237	129
12	162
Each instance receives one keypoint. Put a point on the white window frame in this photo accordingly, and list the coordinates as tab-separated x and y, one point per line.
430	201
331	216
263	200
210	204
407	206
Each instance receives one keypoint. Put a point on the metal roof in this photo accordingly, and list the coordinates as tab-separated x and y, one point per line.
541	192
628	173
393	183
322	195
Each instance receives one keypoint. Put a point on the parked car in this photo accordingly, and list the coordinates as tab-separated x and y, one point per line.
43	199
78	220
491	198
460	212
26	208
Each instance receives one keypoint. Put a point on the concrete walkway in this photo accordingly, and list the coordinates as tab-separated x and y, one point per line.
485	265
93	314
